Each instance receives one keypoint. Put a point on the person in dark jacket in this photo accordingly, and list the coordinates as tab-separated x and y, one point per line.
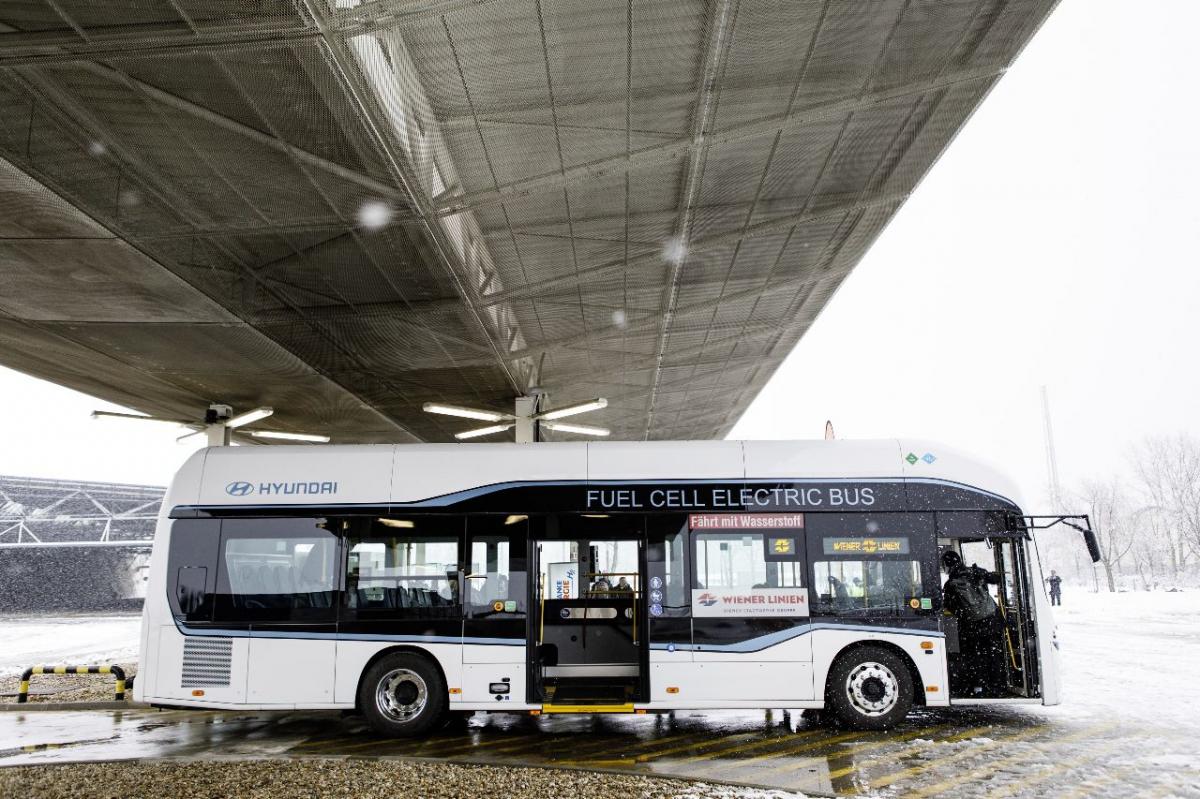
980	626
1055	588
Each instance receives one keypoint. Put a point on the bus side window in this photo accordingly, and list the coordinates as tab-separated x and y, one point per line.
276	570
666	561
404	568
495	579
192	568
875	587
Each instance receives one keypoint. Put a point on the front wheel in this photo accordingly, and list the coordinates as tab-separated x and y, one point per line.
869	688
402	695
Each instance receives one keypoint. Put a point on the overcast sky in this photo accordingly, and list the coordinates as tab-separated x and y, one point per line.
1055	243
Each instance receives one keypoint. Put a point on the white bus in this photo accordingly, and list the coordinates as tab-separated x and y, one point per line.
413	581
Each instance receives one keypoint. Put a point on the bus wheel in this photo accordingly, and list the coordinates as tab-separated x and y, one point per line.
869	689
402	695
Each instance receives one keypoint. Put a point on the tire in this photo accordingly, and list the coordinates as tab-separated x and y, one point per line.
402	695
869	688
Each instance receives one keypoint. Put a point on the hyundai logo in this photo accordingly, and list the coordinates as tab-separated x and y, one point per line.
239	488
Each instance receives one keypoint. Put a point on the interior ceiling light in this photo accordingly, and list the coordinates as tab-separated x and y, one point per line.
276	434
581	429
517	519
571	410
465	413
405	523
483	431
243	419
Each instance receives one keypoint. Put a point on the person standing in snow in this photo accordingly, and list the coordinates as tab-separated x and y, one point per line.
1055	588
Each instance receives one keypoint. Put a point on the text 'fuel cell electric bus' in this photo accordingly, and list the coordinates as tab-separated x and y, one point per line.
412	581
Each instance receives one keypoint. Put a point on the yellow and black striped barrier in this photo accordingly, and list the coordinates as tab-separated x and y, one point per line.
115	671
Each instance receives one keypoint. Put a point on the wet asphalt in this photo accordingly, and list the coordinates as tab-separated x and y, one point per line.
995	751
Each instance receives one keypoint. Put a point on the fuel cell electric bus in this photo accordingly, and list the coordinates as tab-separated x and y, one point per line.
413	581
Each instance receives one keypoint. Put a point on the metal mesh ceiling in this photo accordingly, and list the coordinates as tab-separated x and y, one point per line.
347	209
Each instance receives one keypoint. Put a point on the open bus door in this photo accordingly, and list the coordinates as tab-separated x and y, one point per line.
1047	635
588	647
1014	654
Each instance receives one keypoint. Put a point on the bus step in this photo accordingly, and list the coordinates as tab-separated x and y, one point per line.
626	708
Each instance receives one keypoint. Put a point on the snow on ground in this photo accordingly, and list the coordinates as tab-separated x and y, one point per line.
61	640
1130	657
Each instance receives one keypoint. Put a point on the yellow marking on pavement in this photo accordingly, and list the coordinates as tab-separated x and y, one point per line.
646	755
838	753
991	766
908	750
789	752
776	739
925	765
1059	767
639	751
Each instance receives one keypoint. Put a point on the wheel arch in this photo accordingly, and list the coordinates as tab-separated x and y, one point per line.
391	650
913	673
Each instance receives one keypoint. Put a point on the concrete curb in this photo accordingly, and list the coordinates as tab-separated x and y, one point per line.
13	707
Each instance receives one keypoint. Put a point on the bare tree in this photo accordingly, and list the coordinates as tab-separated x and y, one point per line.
1169	471
1109	511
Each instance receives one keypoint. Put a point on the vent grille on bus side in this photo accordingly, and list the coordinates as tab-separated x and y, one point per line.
206	662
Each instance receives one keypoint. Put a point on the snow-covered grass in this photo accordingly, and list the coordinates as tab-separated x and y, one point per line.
59	640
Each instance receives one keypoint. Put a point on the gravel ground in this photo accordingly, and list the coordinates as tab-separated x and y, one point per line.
360	779
67	687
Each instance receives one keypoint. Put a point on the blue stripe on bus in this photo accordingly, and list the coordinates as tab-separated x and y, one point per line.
208	632
769	640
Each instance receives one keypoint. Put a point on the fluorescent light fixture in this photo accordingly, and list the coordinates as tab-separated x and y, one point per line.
465	413
243	419
136	416
483	431
571	410
515	519
581	429
404	523
275	434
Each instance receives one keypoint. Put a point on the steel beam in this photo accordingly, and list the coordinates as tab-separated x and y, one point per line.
678	148
349	75
655	260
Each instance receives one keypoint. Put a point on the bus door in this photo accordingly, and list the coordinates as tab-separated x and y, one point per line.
1020	645
495	609
997	657
588	631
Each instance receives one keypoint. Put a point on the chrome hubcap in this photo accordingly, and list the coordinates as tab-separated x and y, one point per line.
401	695
872	689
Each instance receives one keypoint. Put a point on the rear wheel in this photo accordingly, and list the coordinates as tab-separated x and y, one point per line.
402	695
869	688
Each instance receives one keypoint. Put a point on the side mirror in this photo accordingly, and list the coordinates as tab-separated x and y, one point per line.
1093	546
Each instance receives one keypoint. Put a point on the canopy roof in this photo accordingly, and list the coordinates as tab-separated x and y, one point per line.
347	209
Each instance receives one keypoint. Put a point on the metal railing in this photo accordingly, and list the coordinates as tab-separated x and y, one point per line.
114	670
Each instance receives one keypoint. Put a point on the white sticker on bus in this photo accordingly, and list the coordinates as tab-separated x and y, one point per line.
749	602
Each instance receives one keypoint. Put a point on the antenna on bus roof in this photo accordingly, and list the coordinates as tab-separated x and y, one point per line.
829	431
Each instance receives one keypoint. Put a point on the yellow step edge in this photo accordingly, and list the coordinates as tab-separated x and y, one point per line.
627	708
